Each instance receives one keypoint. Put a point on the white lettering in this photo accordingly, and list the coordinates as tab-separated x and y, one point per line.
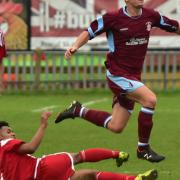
137	41
59	19
72	20
64	19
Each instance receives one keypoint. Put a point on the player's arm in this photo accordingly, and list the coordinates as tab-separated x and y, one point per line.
165	23
80	41
30	147
97	27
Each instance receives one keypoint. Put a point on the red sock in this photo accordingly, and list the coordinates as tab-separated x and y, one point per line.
99	118
113	176
97	154
145	124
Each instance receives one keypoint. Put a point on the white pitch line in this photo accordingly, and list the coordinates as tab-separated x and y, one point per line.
55	106
44	108
95	102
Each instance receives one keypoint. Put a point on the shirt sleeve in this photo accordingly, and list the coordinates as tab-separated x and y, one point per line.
13	145
100	25
165	23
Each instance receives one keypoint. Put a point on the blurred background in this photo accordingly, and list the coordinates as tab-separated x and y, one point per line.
38	31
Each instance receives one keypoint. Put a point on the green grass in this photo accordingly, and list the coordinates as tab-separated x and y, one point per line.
72	136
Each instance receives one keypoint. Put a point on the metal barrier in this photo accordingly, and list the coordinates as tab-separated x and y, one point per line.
86	70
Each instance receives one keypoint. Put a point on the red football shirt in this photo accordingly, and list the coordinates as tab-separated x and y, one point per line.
15	166
128	38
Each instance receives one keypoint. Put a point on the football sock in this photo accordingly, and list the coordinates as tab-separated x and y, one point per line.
145	124
142	146
99	118
97	154
113	176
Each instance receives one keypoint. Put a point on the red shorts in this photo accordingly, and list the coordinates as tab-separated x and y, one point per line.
119	96
55	167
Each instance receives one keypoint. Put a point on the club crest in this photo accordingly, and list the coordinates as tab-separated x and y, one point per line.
148	26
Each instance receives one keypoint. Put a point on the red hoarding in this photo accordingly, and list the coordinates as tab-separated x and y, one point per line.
55	23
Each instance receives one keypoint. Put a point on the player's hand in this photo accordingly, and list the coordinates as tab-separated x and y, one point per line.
44	118
69	52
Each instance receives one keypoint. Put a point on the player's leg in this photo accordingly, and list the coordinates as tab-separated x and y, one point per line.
122	108
76	109
115	122
99	154
119	120
94	175
138	92
147	99
84	174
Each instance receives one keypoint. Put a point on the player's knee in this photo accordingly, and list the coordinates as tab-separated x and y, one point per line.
150	102
117	129
116	125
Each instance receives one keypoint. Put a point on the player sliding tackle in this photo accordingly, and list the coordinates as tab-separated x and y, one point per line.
127	31
17	164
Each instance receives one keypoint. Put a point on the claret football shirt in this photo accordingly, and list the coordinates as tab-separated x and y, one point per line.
128	38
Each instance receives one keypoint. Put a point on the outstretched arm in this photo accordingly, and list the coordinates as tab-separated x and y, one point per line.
80	41
30	147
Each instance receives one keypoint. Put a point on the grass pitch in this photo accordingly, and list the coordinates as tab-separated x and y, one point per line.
23	113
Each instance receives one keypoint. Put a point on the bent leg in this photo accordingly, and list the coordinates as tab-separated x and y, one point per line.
120	117
122	108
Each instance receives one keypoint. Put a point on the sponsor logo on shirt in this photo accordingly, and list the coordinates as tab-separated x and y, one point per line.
123	29
136	41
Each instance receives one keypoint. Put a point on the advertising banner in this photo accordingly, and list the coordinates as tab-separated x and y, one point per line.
14	22
55	23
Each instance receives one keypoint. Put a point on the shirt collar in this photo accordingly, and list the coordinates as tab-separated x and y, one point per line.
126	13
4	142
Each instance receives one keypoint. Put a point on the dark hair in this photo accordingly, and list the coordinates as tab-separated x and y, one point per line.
3	123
